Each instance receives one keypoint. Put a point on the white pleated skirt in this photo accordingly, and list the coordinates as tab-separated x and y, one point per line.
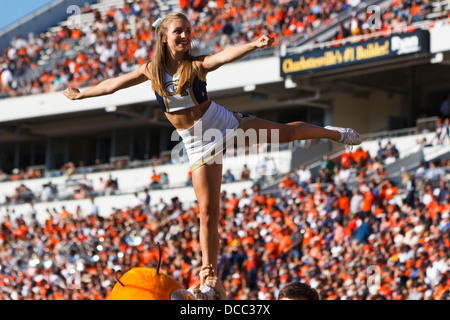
207	139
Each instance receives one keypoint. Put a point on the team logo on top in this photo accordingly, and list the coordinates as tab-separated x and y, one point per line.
172	86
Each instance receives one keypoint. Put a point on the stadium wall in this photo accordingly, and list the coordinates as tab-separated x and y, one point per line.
232	76
106	204
134	180
130	180
368	113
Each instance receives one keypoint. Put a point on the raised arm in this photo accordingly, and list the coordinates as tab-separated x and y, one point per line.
110	86
233	53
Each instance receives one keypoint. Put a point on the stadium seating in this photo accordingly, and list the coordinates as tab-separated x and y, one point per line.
247	26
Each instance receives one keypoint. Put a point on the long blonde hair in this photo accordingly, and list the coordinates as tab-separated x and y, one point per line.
159	60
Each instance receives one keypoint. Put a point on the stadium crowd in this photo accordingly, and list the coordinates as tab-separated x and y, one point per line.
370	239
400	16
122	38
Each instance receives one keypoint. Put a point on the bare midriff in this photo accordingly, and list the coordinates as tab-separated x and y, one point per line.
184	119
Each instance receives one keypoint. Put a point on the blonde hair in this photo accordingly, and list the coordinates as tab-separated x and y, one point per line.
159	59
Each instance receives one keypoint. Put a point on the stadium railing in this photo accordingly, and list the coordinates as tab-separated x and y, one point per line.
401	28
323	31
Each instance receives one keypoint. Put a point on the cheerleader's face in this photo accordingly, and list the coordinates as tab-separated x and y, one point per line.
178	37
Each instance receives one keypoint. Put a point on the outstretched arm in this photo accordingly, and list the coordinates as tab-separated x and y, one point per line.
233	53
110	86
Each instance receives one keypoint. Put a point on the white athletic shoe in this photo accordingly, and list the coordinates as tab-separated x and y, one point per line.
349	136
206	292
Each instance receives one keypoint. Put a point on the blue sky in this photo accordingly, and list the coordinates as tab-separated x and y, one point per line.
12	11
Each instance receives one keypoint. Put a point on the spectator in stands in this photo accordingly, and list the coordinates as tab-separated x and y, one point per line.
387	189
161	206
155	180
227	31
390	159
245	173
390	147
86	182
32	174
381	153
69	168
228	176
268	168
164	179
3	175
25	194
47	192
443	191
298	291
304	176
415	12
420	171
443	131
6	76
244	201
355	24
363	232
100	187
360	157
341	175
111	185
189	179
325	176
356	202
342	32
16	175
434	172
420	145
286	182
81	192
258	199
93	207
146	200
327	165
410	187
137	201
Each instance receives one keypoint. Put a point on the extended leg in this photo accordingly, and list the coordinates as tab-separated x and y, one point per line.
299	130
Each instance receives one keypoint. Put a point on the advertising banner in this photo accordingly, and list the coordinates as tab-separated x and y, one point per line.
356	53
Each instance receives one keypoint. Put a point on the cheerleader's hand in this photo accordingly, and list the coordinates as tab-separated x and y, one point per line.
72	93
264	41
205	272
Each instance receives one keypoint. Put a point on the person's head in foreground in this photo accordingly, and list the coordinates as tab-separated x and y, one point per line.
298	291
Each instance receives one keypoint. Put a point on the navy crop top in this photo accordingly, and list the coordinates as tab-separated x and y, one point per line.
192	97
